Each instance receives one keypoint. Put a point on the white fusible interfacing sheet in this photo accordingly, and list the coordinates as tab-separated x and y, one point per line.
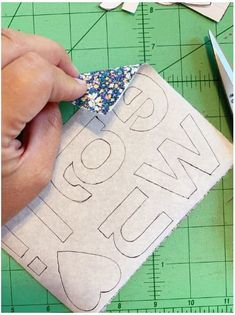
122	183
212	10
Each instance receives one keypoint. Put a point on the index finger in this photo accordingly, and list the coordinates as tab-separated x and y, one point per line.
16	44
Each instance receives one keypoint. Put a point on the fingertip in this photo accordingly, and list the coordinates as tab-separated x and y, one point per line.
69	68
80	82
66	88
66	64
82	87
75	71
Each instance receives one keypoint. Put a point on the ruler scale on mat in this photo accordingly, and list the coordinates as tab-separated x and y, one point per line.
192	269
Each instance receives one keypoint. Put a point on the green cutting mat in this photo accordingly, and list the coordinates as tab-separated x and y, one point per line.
192	270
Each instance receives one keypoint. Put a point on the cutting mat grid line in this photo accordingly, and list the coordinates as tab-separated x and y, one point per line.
192	270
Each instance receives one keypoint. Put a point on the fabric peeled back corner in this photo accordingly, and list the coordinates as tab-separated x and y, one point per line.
105	88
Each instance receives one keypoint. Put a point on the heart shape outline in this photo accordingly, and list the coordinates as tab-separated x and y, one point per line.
96	303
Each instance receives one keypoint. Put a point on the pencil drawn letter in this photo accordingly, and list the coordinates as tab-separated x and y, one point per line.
176	157
143	109
134	225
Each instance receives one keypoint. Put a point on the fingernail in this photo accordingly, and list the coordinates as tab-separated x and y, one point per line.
82	82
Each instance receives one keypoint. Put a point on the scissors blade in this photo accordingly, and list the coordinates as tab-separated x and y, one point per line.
225	69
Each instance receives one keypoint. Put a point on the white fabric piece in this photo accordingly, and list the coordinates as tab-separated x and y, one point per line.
127	6
212	10
122	183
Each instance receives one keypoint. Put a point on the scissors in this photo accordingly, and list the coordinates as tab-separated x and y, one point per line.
226	71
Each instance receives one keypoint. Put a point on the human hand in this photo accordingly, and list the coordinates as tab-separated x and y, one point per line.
36	74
